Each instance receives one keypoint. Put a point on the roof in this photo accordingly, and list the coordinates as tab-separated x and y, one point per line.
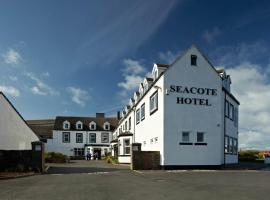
1	93
86	121
162	65
149	79
43	127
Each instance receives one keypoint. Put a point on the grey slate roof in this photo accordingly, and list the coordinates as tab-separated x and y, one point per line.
86	121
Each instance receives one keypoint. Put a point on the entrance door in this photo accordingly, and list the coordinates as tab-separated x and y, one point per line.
97	154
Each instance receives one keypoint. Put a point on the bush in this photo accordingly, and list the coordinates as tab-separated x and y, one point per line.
111	159
249	155
53	157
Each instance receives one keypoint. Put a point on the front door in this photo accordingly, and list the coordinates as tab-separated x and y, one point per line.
97	154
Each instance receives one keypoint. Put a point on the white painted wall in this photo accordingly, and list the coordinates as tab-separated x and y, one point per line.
14	133
192	118
56	144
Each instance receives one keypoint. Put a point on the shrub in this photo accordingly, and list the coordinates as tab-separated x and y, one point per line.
111	159
53	157
249	155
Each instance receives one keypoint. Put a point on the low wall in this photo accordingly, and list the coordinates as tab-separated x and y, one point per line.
145	160
23	160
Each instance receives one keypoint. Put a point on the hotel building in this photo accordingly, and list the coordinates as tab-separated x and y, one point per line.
186	111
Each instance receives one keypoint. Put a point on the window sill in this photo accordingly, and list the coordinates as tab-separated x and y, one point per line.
200	144
153	111
186	143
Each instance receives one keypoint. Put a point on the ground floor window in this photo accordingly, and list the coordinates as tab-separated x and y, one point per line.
79	137
126	146
78	151
231	145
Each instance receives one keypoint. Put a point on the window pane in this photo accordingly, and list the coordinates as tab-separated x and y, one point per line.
138	116
104	137
92	138
143	111
185	136
200	137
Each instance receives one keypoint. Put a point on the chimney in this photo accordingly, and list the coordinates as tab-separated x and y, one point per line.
118	115
100	115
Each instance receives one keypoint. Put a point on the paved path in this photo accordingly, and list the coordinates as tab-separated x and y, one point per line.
122	184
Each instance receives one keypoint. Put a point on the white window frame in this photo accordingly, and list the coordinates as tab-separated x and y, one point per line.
127	148
154	99
77	125
64	134
105	125
138	116
66	123
142	111
183	137
92	124
102	137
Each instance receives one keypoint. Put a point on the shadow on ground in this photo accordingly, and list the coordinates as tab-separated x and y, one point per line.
78	170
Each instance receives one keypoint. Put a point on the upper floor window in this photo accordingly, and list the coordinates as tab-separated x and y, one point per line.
106	126
200	136
185	136
79	125
66	125
104	137
153	102
66	137
92	125
129	123
92	138
193	60
79	138
126	125
138	116
143	112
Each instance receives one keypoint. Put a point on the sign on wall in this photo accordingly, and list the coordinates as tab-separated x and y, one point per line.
193	90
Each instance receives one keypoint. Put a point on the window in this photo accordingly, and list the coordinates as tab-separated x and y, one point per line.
129	123
66	125
200	137
92	138
66	137
226	108
126	125
92	126
106	126
231	112
79	137
226	148
78	151
138	116
143	112
144	143
126	146
156	140
185	136
104	137
236	117
230	145
79	125
151	141
235	146
193	60
154	103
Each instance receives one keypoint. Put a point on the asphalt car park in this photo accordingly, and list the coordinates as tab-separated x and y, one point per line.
118	182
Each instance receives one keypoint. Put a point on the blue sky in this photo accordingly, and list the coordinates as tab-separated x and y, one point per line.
81	57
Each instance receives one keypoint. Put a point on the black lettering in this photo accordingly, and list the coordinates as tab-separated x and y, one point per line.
192	90
208	91
195	101
214	92
178	89
201	102
207	103
180	100
188	101
200	91
172	88
186	90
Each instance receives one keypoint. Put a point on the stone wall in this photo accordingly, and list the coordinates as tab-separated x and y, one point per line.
145	160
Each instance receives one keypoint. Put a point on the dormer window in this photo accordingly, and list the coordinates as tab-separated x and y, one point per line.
79	125
106	126
193	60
92	126
66	125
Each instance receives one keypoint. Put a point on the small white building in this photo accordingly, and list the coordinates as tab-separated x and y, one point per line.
74	136
15	134
186	111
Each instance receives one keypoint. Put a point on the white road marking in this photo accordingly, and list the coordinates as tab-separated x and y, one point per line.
138	171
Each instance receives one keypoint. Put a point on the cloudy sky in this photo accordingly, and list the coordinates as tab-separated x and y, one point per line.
81	57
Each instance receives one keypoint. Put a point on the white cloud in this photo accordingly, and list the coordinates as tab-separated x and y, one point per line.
78	95
10	90
210	35
168	57
12	57
40	88
133	73
251	86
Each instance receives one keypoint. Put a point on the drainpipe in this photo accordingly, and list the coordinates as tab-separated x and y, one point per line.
224	124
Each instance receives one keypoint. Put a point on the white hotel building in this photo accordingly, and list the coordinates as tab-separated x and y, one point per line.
186	111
